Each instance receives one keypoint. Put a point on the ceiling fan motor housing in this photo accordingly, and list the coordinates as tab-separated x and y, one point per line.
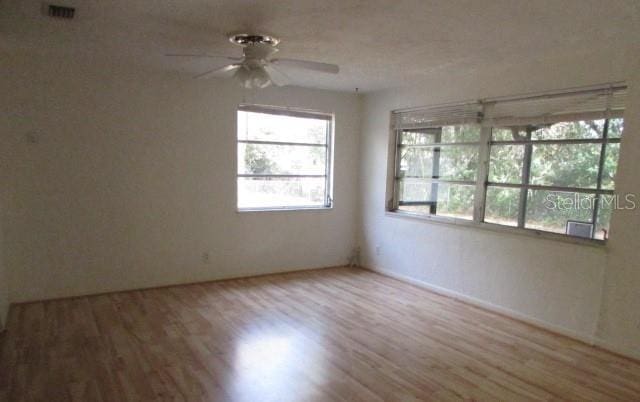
250	39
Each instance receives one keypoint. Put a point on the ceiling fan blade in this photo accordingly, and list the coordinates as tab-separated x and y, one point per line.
202	55
219	71
307	65
279	78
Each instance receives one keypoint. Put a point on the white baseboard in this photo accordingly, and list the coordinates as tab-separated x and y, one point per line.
586	338
119	289
626	352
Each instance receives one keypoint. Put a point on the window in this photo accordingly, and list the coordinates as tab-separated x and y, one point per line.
545	163
437	170
552	177
284	158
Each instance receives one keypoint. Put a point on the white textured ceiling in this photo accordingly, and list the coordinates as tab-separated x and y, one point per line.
378	44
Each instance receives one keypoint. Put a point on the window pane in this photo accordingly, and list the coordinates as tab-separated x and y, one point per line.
415	195
448	162
461	133
611	154
566	165
507	134
416	162
550	210
502	206
280	192
279	128
281	159
455	200
422	196
417	137
506	163
616	127
569	130
458	163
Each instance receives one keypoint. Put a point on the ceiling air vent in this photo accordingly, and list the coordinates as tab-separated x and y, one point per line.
60	11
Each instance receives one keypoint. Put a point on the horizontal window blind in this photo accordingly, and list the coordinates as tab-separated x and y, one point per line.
569	105
284	111
587	104
463	113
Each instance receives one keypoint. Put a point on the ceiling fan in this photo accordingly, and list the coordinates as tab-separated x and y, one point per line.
256	69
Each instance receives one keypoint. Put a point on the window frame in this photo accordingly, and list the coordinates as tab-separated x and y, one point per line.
328	145
482	183
526	185
433	180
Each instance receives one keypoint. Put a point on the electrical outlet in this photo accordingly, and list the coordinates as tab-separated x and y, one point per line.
378	250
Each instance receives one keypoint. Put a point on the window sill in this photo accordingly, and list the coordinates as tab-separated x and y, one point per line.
284	209
539	234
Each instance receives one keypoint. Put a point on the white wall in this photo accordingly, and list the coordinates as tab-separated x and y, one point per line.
4	191
4	286
619	326
553	283
132	178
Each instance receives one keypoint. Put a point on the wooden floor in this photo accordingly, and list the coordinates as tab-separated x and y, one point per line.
336	334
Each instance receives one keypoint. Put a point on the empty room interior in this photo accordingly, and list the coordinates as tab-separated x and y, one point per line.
297	200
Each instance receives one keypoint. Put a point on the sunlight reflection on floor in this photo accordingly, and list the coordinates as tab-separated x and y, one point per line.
268	365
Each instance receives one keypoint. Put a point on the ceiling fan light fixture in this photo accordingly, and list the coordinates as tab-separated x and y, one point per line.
260	78
253	77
